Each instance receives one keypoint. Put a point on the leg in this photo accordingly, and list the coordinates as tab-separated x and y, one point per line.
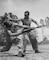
25	38
7	47
20	46
32	37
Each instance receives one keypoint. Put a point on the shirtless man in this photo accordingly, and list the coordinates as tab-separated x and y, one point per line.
32	37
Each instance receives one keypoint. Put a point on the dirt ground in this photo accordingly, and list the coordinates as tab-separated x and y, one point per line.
30	55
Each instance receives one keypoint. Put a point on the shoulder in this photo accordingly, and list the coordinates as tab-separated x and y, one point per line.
30	19
21	19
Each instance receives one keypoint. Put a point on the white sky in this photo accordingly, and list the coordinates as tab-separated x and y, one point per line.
38	8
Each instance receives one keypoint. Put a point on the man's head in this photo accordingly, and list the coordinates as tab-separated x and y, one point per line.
5	15
10	14
26	14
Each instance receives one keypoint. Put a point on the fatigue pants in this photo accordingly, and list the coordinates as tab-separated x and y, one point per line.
32	37
8	43
20	44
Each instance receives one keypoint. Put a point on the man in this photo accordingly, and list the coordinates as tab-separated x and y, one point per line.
8	44
7	36
10	37
7	23
27	22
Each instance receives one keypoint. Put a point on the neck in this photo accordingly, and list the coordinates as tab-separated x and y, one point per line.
26	17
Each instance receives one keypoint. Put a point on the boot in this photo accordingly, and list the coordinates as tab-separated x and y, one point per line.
20	54
37	51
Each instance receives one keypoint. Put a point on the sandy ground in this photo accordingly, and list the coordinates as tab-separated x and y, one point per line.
30	55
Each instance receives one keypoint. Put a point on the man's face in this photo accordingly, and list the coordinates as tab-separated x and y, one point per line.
26	15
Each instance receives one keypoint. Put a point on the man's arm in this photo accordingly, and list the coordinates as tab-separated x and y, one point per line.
35	22
21	26
12	34
15	20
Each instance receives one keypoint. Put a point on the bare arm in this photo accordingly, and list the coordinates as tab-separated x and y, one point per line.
15	20
21	26
35	22
12	34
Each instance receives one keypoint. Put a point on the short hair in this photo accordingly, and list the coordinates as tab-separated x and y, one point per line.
26	12
10	13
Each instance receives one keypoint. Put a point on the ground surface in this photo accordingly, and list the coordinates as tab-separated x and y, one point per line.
30	55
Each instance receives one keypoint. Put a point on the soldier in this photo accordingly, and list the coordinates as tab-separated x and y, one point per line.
32	37
9	37
9	42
